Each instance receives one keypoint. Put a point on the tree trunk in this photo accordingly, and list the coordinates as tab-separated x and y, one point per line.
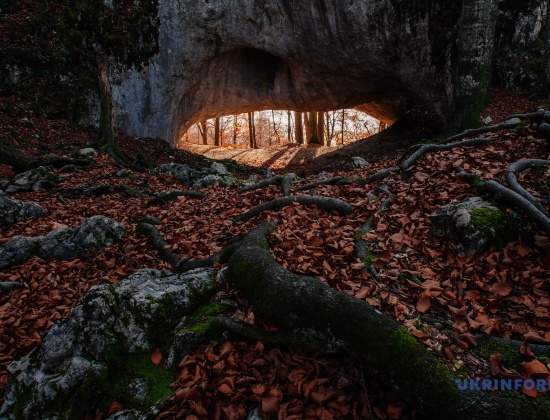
217	141
275	128
321	128
289	128
343	124
235	122
106	122
311	128
251	131
547	51
299	124
203	129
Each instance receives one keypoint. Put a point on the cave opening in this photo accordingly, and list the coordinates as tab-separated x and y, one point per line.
251	99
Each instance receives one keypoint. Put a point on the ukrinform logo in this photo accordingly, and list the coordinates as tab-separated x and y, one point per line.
490	384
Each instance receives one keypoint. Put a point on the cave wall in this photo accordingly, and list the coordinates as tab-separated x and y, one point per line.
235	56
519	50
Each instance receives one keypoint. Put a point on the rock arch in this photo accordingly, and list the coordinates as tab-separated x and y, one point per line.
222	57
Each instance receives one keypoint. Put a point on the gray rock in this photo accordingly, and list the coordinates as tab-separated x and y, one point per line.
110	322
64	243
36	179
514	121
18	250
12	211
219	169
359	162
209	180
9	286
455	222
124	173
487	121
254	415
183	173
88	152
544	130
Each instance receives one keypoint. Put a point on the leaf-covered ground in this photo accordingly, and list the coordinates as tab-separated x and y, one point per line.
448	302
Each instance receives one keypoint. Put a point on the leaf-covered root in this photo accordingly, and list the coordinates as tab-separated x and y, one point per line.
168	196
517	167
22	162
339	180
508	196
283	181
101	190
325	203
157	241
419	151
297	302
509	124
362	250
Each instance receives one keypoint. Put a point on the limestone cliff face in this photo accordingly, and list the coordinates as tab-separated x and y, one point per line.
519	50
231	56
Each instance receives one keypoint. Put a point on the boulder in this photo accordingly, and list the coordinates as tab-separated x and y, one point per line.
64	243
9	286
359	162
88	152
37	179
84	359
183	173
472	225
219	169
12	211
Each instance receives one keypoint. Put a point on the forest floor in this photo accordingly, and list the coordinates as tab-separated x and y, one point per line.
449	303
270	157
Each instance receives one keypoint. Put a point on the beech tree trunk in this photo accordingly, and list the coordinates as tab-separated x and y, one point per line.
289	128
217	141
106	122
321	128
251	131
299	124
235	122
547	52
203	129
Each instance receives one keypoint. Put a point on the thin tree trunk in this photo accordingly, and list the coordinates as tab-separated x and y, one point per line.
289	128
106	122
203	129
235	121
547	51
217	141
251	131
321	128
275	128
343	124
299	124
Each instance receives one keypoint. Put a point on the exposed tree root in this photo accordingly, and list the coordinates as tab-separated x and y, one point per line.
158	242
22	162
284	182
520	166
299	302
423	149
325	203
167	196
100	190
303	341
506	125
509	196
362	251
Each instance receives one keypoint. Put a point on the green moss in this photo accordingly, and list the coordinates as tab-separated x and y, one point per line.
138	367
201	320
496	224
510	354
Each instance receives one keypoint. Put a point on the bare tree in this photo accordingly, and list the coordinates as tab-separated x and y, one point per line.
203	129
251	131
289	127
217	141
235	128
321	128
299	124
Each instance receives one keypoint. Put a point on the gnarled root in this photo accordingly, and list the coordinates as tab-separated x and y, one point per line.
299	302
325	203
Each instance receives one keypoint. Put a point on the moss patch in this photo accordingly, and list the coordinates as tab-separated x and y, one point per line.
156	380
201	320
496	224
511	356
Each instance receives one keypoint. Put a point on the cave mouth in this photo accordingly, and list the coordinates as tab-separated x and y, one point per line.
281	128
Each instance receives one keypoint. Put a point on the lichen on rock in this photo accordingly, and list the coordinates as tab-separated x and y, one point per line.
110	333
